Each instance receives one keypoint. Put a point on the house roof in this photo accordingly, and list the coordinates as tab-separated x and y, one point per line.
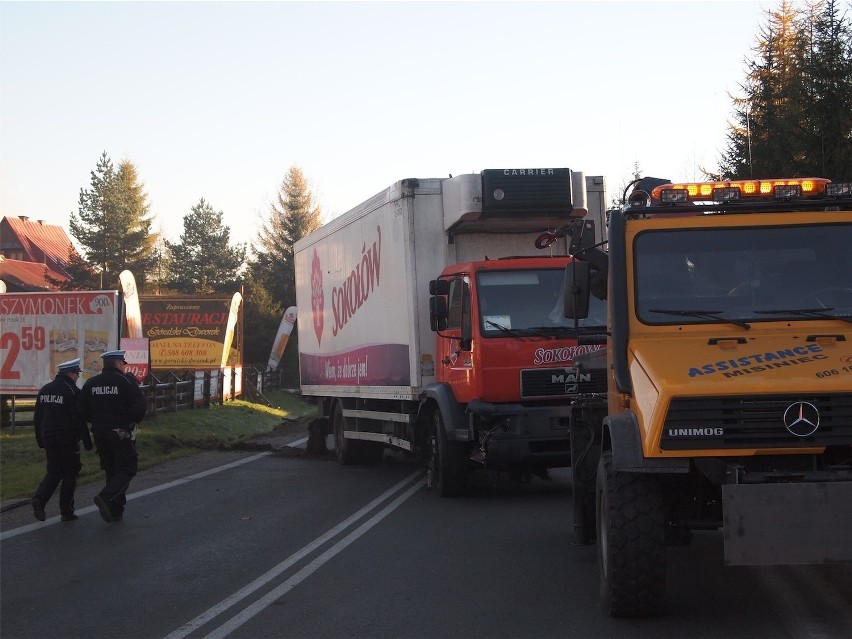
38	240
27	276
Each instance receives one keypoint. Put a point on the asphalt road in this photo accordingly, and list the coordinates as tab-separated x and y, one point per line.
252	544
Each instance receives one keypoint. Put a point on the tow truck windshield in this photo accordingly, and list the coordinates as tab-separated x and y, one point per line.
741	275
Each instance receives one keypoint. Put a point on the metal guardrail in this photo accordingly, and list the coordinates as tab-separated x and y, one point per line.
256	382
171	392
169	396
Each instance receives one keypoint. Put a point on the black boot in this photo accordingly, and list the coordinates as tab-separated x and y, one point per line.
38	509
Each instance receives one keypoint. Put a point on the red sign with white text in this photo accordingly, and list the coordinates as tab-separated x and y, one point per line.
136	355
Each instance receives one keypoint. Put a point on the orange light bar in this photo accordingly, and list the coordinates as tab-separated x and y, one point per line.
749	189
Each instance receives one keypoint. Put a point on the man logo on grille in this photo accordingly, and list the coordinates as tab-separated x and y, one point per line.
801	419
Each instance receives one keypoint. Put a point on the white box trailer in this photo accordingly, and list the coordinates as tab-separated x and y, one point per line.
362	294
367	346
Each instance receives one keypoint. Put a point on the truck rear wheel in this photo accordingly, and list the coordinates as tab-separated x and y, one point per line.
345	450
631	541
447	464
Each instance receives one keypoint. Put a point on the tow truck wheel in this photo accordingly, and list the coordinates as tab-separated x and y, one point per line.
345	450
447	464
631	541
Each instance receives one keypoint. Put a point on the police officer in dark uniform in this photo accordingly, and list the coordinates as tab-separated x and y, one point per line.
113	403
59	429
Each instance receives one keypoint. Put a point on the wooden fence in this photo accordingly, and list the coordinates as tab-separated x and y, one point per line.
171	392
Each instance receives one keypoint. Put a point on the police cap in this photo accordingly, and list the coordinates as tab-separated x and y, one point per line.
71	366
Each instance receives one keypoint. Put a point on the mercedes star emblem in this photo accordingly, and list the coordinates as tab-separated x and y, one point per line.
801	419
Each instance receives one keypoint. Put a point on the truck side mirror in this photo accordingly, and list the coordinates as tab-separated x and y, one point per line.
439	287
576	285
437	311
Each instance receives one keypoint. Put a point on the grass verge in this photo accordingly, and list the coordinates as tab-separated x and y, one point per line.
166	436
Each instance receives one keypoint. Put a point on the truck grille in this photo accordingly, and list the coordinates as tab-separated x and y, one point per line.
539	383
753	422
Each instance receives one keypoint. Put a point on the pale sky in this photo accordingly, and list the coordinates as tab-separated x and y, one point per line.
219	99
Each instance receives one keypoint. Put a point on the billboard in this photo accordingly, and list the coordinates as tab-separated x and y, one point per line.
191	332
39	331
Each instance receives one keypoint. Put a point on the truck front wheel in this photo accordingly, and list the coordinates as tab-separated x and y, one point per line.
631	541
447	467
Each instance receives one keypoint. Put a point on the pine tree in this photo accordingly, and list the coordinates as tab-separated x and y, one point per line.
160	267
792	118
292	216
82	277
112	226
765	137
138	244
271	285
829	64
263	315
204	262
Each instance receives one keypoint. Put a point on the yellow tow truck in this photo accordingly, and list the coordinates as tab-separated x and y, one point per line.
729	365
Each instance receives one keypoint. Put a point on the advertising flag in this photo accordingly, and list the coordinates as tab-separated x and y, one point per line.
281	337
132	311
229	330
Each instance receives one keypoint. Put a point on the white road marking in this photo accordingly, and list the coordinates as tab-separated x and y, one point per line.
809	607
265	601
299	443
249	612
14	532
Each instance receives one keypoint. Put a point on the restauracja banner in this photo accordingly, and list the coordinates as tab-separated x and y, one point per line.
191	332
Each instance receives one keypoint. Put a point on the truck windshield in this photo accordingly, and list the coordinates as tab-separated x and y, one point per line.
526	303
743	275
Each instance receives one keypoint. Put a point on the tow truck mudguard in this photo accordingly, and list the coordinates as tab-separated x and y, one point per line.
787	523
626	446
455	422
